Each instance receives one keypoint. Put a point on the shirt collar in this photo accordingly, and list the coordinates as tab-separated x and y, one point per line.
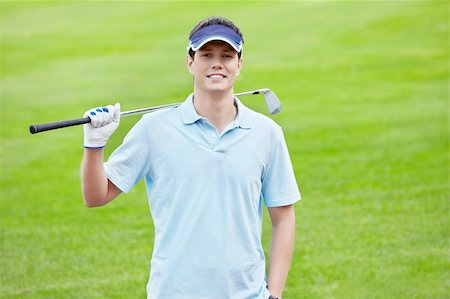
189	115
244	117
187	111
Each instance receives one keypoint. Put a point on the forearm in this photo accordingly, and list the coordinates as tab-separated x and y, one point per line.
281	249
93	178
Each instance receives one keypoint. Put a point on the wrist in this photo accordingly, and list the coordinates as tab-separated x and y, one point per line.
94	141
272	296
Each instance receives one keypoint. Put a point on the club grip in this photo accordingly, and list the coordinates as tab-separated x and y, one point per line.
58	124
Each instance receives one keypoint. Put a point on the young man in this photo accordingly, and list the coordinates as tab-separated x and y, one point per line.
209	165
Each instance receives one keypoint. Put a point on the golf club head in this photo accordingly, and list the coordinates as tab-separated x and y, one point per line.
272	102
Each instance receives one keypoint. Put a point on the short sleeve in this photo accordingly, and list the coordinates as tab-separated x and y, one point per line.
279	186
130	162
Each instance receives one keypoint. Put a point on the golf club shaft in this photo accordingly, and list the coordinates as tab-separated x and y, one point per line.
258	91
79	121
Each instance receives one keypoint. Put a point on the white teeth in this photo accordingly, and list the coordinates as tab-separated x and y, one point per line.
216	76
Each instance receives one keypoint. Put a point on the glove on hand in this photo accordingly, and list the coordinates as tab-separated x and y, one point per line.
104	121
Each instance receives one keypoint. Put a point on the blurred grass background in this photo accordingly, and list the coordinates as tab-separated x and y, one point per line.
365	93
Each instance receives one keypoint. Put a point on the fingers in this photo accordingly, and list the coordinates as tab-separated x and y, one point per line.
104	121
102	116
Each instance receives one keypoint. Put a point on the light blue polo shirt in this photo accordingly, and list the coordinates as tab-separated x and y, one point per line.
206	193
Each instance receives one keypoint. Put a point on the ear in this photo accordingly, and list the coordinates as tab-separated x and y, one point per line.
238	71
189	62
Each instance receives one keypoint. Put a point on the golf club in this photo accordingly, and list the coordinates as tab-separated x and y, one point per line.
272	102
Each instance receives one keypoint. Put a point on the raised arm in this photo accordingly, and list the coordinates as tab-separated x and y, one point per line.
97	189
281	248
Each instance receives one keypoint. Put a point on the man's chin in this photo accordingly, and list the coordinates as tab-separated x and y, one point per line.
219	90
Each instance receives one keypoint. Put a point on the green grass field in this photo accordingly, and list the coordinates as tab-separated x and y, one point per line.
365	93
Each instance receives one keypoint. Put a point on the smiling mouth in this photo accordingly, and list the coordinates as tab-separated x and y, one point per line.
216	76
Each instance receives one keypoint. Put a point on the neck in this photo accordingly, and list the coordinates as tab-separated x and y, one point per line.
218	108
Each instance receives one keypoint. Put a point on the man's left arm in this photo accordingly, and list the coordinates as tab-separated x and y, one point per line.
281	248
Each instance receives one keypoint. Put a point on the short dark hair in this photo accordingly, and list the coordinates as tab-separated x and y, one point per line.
215	21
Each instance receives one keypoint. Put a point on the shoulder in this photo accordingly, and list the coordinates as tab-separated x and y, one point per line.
162	120
153	125
159	116
264	123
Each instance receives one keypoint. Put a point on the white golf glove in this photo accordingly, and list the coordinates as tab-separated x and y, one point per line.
104	121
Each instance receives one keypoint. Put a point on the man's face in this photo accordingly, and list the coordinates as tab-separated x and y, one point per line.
215	67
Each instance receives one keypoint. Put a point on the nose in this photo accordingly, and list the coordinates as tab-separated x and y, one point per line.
217	64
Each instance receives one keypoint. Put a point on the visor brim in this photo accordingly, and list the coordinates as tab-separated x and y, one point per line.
196	46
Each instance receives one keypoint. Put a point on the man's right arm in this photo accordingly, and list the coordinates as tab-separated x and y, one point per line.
97	189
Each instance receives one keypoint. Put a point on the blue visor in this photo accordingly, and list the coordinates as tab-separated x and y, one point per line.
215	32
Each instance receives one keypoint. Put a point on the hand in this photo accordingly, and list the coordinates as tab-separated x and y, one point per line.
104	121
